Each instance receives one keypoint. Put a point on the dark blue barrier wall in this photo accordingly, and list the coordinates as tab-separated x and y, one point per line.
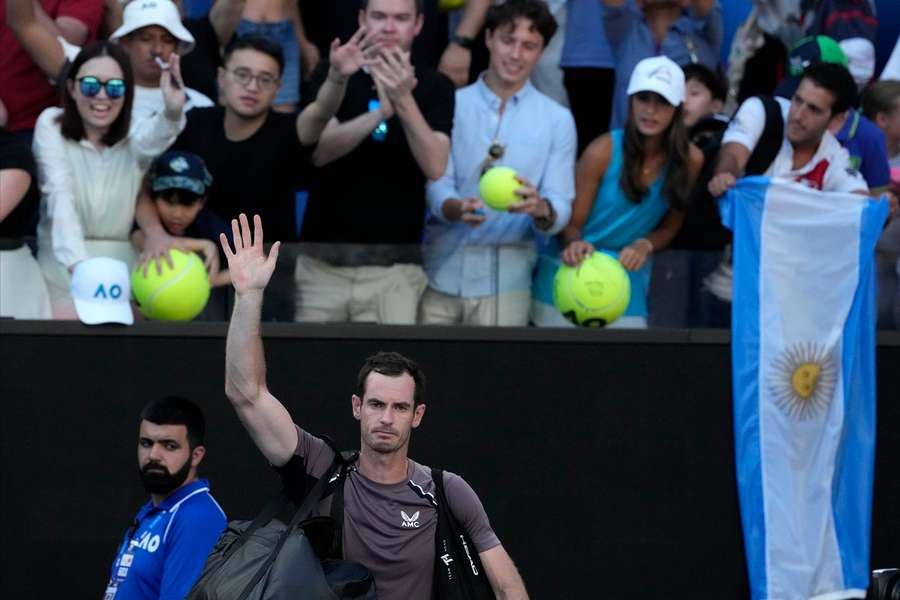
604	458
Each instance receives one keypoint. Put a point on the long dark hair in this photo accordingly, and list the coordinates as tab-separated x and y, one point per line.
676	145
70	121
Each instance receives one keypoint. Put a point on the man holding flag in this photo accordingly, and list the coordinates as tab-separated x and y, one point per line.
803	346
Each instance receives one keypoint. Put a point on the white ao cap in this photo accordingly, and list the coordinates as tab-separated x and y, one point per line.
658	74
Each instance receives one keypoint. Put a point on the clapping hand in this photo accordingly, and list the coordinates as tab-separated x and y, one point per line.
393	71
170	82
248	264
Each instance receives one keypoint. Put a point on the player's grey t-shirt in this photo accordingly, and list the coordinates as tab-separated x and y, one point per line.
391	528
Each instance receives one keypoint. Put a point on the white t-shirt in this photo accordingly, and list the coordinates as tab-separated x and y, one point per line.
149	101
828	170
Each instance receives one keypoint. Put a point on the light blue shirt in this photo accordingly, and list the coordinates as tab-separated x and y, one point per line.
585	37
689	40
540	143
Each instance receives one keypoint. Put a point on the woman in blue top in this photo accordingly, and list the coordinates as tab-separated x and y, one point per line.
631	187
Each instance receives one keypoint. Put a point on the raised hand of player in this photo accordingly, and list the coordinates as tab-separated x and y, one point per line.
170	82
347	59
248	264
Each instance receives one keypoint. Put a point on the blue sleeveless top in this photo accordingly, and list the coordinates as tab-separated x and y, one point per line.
613	223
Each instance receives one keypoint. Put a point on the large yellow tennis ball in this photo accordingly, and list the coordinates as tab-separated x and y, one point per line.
179	293
448	5
593	294
497	187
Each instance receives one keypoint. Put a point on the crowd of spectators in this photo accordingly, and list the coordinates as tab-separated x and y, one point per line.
361	129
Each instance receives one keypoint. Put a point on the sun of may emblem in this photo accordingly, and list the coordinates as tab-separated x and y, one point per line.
802	380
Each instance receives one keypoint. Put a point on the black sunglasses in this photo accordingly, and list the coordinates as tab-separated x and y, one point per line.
90	87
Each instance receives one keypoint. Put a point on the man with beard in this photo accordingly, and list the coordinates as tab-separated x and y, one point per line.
164	550
390	514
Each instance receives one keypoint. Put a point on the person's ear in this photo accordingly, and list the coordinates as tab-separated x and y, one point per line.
356	403
417	415
197	455
717	105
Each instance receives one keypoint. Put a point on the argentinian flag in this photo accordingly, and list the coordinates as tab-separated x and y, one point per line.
803	362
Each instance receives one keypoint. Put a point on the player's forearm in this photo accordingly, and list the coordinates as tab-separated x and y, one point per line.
315	117
342	138
430	148
245	366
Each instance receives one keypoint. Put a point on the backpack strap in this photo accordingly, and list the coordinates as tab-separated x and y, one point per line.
770	141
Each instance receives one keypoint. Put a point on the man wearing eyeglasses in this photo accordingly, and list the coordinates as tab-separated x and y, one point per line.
478	260
256	155
390	135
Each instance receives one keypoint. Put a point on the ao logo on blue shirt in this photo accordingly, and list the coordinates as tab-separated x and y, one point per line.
147	542
114	291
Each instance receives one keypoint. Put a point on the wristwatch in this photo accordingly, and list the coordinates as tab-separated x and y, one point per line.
462	41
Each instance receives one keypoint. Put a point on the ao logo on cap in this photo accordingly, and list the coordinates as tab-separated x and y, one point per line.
115	291
661	73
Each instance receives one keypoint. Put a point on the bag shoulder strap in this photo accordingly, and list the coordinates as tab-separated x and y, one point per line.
303	512
770	141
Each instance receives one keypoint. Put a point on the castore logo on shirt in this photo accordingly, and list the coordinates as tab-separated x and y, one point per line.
409	521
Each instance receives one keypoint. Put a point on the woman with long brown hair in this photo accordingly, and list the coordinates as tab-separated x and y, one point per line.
90	161
631	187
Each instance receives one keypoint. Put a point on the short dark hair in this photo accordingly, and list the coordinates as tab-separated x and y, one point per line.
392	364
175	410
880	97
419	4
837	80
708	78
177	196
260	43
71	124
535	11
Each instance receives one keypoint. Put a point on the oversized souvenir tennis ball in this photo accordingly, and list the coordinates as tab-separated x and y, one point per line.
448	5
593	294
179	293
497	187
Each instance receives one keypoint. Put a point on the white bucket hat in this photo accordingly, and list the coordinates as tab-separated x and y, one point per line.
661	75
101	289
164	13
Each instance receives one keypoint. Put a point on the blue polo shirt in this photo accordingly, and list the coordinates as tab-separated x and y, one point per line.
866	145
163	553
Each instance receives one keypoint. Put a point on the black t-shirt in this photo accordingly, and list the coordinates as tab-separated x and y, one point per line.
199	66
375	194
258	175
15	154
702	228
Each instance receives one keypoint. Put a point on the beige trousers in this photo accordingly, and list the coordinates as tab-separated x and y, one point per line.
23	293
385	295
509	309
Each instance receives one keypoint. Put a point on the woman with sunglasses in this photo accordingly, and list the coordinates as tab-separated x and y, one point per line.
631	187
91	160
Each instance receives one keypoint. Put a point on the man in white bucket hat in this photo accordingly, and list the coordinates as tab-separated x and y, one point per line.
151	32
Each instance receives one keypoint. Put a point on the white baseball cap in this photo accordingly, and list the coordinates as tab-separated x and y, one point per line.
101	289
658	74
143	13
